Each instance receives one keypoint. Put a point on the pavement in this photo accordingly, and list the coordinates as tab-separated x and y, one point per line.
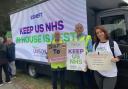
12	85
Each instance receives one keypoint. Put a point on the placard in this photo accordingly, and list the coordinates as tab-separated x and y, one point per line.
76	56
56	52
99	61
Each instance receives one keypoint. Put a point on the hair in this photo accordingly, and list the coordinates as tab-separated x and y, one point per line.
96	39
57	33
79	25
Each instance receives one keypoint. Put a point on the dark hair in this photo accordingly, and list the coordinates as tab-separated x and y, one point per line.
96	39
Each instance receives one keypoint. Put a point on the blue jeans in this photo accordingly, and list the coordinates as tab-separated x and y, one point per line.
85	76
10	71
61	74
5	68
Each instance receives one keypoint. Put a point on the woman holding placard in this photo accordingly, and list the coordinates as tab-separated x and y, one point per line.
106	79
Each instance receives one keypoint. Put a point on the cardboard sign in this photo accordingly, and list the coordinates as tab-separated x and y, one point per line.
56	52
76	56
99	61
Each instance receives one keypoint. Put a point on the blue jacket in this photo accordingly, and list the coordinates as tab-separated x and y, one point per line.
3	52
11	52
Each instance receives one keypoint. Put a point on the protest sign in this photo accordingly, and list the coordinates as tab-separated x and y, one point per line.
76	56
56	52
99	61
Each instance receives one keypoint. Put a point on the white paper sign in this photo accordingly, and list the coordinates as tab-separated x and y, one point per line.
99	61
76	56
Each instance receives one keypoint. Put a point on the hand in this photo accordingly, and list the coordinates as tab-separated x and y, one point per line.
86	62
85	70
49	61
115	59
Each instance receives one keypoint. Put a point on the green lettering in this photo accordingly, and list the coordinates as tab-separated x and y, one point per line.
47	38
66	37
18	39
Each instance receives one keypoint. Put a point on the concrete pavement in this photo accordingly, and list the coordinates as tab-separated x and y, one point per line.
12	85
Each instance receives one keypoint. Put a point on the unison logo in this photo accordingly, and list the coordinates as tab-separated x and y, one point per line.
39	51
38	15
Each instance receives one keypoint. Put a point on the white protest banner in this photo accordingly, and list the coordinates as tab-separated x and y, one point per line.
76	56
99	61
34	27
56	52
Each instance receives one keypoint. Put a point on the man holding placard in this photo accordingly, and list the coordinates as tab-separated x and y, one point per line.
56	56
76	51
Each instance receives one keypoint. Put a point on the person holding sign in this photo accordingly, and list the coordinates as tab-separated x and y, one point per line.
106	79
88	46
58	67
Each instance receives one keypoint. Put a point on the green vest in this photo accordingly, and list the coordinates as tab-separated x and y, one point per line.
56	65
86	39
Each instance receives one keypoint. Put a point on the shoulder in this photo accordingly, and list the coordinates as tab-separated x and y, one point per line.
88	37
13	43
115	43
111	41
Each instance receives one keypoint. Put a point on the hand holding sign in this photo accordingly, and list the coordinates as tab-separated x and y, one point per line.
115	59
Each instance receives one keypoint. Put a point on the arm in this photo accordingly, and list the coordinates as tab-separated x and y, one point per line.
117	52
13	51
89	46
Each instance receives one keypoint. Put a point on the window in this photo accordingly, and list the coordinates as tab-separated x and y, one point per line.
116	28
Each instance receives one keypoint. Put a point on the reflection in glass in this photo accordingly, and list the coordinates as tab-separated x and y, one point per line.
116	27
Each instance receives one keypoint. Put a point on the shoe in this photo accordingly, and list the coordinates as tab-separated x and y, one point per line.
1	84
14	76
9	82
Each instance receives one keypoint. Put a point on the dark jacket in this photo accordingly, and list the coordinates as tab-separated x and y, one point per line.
11	52
3	54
